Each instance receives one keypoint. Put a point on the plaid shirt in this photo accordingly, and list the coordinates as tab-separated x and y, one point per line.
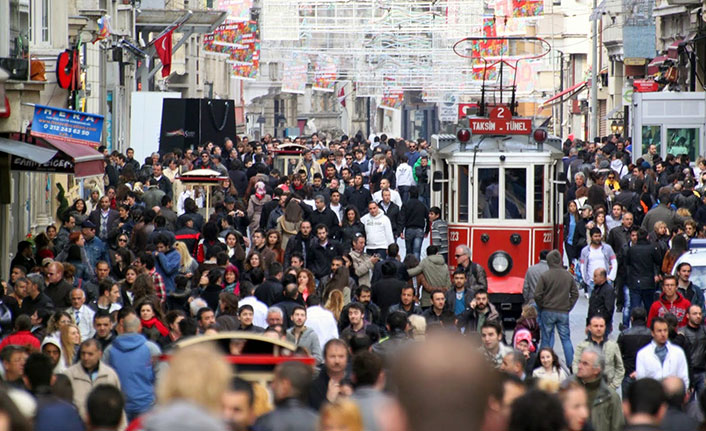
158	285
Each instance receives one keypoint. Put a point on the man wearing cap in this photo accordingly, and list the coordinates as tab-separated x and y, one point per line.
597	254
95	248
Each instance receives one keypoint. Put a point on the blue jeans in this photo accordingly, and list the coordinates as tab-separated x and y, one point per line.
643	298
626	306
404	193
550	320
413	238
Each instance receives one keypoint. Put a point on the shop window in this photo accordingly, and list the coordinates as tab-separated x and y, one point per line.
651	135
683	140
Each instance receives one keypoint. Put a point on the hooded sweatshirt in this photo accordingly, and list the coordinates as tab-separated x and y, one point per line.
556	289
60	366
378	231
130	357
679	307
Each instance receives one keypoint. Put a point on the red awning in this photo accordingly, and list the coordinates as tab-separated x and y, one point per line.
673	48
87	161
653	66
559	97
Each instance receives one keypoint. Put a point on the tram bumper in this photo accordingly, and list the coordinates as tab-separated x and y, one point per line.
505	293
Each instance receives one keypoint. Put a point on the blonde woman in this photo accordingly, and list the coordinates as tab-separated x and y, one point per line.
334	304
192	402
70	342
342	415
187	265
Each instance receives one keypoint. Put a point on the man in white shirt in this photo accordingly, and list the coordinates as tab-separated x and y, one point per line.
660	358
378	230
320	320
394	195
247	292
404	178
82	315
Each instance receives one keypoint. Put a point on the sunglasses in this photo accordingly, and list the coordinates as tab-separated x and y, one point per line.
122	240
458	255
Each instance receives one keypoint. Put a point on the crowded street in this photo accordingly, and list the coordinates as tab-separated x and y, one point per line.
360	215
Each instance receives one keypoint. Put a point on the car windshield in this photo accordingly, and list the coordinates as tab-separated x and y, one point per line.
698	276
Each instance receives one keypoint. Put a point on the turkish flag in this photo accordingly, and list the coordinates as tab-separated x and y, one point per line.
164	50
342	97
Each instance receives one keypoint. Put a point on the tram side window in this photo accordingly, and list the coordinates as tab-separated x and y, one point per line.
488	191
515	193
538	193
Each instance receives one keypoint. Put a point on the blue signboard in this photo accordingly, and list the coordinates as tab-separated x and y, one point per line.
68	126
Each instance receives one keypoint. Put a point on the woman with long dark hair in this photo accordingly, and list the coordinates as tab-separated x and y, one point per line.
350	226
574	232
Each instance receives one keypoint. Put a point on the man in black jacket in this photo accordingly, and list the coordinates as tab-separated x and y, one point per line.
392	211
388	290
643	263
323	215
300	243
602	301
161	180
617	238
270	291
269	207
323	250
695	333
631	341
358	196
413	219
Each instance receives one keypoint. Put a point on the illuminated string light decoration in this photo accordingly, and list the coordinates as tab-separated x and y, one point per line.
386	47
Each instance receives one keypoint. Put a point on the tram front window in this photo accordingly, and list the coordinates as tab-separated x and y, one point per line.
488	191
515	193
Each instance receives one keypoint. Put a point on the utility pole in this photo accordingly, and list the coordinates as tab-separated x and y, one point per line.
594	77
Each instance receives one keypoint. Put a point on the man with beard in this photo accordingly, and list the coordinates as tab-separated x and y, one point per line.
479	311
302	336
695	333
300	243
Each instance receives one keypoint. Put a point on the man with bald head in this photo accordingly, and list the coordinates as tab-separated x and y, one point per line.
676	419
82	314
130	356
57	289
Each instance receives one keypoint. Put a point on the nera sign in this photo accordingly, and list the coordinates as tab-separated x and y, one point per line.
500	122
60	163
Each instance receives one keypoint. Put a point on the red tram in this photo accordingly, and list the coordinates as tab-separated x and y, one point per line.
497	183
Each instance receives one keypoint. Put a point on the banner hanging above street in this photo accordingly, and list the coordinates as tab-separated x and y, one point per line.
68	126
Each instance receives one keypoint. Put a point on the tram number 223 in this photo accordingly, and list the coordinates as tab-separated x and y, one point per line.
547	237
453	236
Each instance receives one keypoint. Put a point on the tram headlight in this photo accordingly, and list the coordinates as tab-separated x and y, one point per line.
500	263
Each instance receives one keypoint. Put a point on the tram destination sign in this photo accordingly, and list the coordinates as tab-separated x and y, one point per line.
500	122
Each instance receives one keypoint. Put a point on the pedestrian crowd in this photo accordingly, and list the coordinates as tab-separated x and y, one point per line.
309	255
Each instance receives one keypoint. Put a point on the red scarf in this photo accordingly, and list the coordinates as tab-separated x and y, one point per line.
260	196
156	323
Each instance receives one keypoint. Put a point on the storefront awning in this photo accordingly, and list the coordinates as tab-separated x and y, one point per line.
66	158
561	96
653	66
87	161
30	152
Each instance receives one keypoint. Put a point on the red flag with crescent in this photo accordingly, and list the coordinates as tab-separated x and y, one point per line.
342	97
164	50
